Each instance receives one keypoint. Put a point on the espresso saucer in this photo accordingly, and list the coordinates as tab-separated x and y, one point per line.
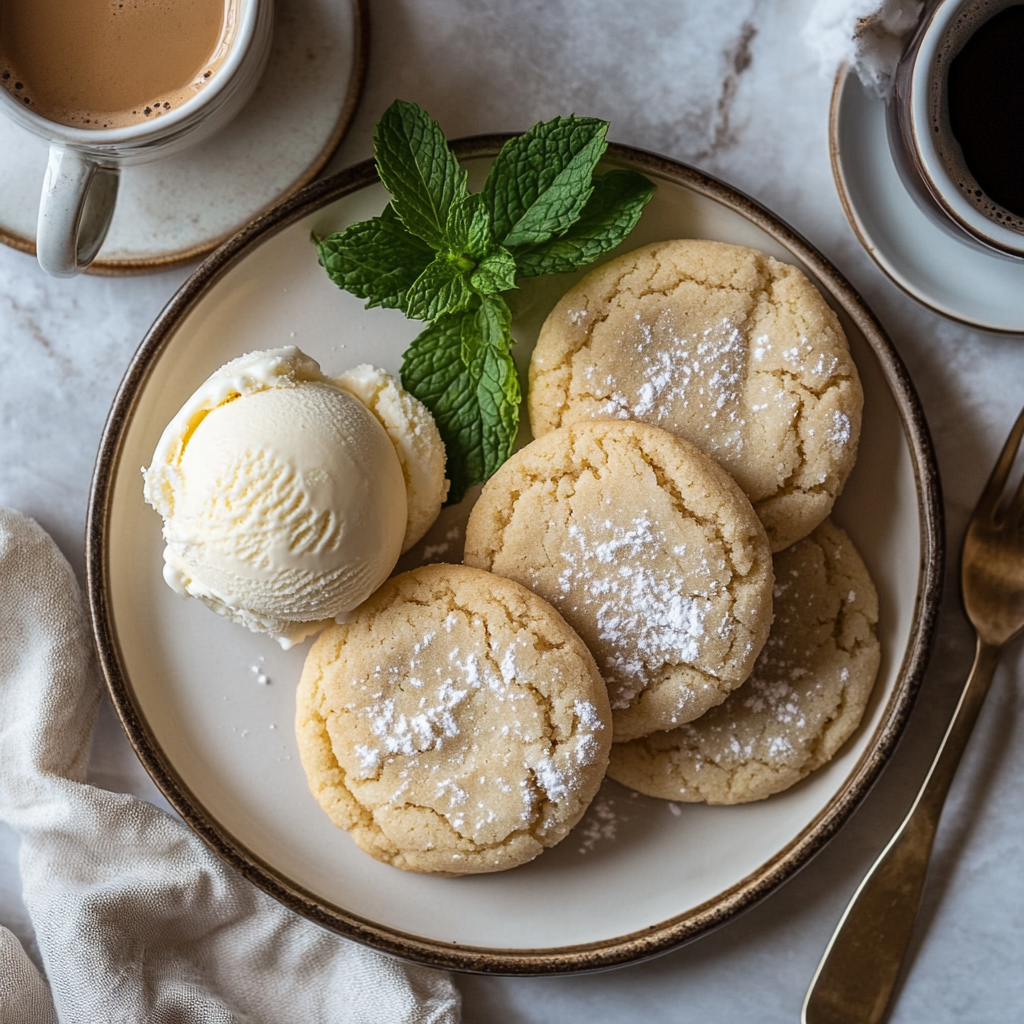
176	210
951	277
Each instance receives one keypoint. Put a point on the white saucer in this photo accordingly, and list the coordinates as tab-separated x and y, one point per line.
951	277
179	209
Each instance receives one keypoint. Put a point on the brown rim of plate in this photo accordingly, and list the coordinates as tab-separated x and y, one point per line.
869	247
658	938
154	264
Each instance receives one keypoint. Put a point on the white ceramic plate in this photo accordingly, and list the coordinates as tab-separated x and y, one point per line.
638	875
179	209
952	277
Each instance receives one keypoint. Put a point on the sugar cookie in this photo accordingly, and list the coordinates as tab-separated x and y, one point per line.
648	549
723	346
455	725
805	697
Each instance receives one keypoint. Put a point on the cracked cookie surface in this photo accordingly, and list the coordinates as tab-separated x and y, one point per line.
803	700
648	549
455	725
723	346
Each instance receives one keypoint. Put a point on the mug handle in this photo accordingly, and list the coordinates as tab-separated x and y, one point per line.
75	210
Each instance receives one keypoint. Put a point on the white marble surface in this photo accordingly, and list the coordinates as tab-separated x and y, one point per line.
732	88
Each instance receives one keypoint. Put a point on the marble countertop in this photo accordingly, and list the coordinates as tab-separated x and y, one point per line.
732	88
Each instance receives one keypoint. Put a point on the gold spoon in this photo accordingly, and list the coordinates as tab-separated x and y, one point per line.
855	980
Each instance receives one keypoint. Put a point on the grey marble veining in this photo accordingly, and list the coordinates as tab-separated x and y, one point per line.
731	87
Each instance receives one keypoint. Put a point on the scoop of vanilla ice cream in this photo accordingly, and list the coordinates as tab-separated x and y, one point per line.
413	432
283	499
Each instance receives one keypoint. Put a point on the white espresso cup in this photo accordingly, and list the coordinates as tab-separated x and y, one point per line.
80	183
926	153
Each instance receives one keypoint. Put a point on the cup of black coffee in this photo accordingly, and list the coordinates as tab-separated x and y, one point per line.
956	121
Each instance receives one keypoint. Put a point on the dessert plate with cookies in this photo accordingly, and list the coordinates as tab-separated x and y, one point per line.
600	705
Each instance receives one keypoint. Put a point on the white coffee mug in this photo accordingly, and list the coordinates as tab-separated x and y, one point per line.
920	137
80	184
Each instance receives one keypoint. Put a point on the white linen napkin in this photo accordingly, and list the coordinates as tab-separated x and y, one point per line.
136	920
869	35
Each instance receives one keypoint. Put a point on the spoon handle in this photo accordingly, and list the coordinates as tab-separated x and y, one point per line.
858	972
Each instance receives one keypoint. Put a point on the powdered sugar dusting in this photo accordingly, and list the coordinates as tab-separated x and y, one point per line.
601	824
433	552
369	760
553	781
681	375
457	724
409	734
768	732
587	714
642	612
559	774
840	430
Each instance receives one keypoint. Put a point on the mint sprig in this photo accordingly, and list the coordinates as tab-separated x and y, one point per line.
442	254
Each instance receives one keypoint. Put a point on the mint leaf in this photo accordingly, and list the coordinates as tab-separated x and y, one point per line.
492	325
458	225
610	214
541	180
496	272
442	288
419	170
469	236
498	394
480	239
461	369
375	259
433	371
